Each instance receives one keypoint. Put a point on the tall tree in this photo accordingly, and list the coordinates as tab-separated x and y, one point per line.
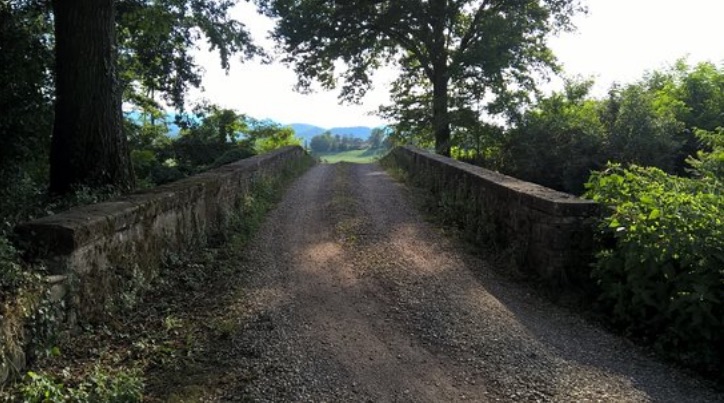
108	50
88	145
480	45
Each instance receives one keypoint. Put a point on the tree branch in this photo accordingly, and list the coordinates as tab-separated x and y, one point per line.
471	32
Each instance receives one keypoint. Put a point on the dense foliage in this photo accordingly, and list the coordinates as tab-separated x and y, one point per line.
327	142
656	151
155	41
25	100
209	137
662	276
652	122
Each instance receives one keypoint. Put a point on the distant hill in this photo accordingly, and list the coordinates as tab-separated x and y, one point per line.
169	117
306	132
302	130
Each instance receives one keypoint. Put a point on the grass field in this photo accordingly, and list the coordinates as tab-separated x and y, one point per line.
357	156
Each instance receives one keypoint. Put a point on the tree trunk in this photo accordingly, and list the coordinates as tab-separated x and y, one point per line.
440	114
88	146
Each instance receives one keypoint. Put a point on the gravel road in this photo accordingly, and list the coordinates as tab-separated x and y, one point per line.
353	296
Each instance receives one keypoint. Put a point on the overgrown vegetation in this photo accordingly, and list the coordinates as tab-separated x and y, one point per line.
662	274
561	138
123	386
29	319
209	137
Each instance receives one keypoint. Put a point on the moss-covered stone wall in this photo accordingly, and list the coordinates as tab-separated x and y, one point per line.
106	252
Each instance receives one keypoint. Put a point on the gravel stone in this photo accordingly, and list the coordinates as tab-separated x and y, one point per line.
353	296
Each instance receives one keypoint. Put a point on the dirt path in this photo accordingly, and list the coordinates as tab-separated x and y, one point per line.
354	297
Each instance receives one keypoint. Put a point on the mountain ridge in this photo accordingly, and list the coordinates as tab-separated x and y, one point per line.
306	131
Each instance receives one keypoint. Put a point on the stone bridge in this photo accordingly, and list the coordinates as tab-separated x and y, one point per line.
346	293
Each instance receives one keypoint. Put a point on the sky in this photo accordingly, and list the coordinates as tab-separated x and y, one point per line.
616	41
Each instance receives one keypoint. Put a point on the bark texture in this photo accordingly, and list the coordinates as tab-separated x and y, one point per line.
440	78
88	146
441	114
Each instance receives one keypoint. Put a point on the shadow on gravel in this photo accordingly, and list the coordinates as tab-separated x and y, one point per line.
455	304
369	302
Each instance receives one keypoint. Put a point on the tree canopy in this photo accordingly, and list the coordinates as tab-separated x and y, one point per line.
156	39
448	49
658	121
147	57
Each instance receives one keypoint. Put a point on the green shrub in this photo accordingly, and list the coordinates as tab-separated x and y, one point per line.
21	199
558	143
161	174
11	273
143	162
709	165
232	155
100	386
662	279
199	153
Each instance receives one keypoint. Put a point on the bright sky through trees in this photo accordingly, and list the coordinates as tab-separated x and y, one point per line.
617	41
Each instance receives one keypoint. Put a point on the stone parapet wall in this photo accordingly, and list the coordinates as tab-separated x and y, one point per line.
547	232
108	249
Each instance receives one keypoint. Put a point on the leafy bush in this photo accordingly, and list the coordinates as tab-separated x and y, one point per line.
558	143
710	164
100	386
663	280
265	135
233	155
196	152
12	275
143	162
645	129
19	200
161	174
653	122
